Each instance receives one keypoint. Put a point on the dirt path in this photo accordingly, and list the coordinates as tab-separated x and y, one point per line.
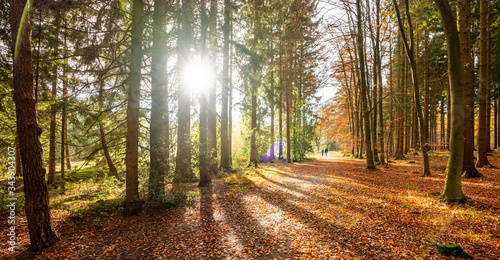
322	209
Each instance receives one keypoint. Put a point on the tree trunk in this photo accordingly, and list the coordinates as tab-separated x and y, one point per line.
253	91
133	204
453	185
212	92
495	119
104	143
205	179
66	146
224	145
426	87
159	98
230	79
399	106
379	84
409	47
469	169
483	88
42	234
271	105
53	126
366	113
183	171
63	114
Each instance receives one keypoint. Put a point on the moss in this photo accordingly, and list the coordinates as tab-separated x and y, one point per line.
454	250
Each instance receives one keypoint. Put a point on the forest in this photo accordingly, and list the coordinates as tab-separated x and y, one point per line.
238	129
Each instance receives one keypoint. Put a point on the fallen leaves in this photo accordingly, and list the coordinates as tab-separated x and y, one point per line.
323	209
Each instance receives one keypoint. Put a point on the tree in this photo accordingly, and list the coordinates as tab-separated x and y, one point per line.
363	86
205	178
53	112
159	94
254	80
463	16
379	85
410	53
484	131
212	93
40	228
226	28
453	185
133	205
183	171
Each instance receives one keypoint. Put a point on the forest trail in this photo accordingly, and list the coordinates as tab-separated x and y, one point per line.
327	208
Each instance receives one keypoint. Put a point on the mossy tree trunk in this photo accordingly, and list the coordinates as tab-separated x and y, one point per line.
453	185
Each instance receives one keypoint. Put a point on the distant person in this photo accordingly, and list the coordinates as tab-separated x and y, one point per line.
326	152
322	152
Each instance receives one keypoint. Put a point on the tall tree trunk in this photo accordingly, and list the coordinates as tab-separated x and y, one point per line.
448	116
482	160
230	117
205	178
280	106
53	126
66	146
253	91
379	84
426	87
468	167
399	105
271	104
374	104
409	47
230	79
159	98
133	204
42	234
64	117
488	115
495	119
212	93
285	86
366	113
224	145
453	185
183	171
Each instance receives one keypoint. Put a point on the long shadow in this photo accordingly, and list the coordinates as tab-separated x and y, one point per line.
254	239
361	207
310	220
209	227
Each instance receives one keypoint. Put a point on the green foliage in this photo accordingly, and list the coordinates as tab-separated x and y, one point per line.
453	250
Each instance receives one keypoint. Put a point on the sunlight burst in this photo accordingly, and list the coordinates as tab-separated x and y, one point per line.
198	76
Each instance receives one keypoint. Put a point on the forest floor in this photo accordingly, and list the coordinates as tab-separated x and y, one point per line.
326	208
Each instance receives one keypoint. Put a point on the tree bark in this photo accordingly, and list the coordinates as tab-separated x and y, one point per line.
224	145
183	171
483	88
463	10
53	126
212	92
63	115
205	179
453	186
159	98
369	156
253	91
379	84
42	234
133	204
409	47
66	146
